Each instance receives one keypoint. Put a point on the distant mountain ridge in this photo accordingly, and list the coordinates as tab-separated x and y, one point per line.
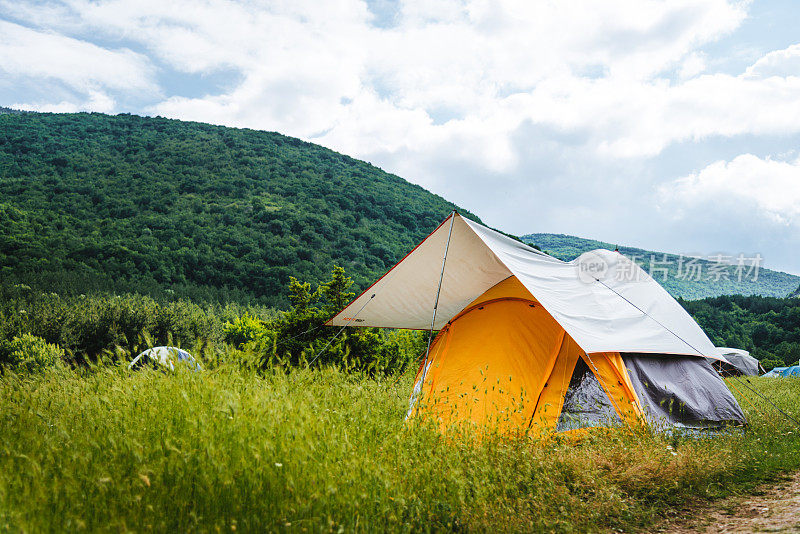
679	274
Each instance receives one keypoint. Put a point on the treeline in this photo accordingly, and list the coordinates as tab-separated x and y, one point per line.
105	327
766	326
91	202
39	330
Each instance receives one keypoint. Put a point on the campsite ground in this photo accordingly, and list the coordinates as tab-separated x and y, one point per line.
325	450
774	507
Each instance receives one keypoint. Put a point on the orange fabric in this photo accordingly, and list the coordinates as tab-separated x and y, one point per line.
490	365
504	364
551	400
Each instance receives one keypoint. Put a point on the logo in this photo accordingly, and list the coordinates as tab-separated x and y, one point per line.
592	267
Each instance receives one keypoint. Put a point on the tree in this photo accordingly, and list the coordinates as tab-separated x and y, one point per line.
335	291
301	336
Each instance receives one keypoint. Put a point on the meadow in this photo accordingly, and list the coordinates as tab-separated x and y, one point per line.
102	448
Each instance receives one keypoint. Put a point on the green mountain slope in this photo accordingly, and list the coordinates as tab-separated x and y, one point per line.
696	280
128	203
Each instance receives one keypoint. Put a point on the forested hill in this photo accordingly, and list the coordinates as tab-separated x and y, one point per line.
686	277
127	203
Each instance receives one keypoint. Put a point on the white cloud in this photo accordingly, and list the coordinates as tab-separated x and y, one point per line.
694	64
748	203
84	67
97	101
746	183
477	69
641	119
781	63
472	74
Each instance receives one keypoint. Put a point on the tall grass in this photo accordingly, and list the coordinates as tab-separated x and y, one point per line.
323	450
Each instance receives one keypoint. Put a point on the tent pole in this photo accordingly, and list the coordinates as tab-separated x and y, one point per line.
435	306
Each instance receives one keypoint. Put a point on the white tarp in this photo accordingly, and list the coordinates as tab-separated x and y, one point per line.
602	299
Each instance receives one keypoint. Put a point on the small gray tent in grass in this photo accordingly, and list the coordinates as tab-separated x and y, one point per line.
736	362
165	358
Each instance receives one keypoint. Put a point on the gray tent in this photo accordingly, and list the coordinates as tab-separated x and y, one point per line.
739	362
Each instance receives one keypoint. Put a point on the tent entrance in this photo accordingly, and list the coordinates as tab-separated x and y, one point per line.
585	402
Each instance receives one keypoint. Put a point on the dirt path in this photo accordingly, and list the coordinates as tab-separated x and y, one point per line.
776	508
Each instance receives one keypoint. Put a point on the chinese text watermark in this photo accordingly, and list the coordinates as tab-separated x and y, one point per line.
662	267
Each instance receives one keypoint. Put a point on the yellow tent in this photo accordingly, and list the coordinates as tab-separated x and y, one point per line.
506	364
528	343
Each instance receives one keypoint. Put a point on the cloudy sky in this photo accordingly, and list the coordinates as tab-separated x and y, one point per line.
668	125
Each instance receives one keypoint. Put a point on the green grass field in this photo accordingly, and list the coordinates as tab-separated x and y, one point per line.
224	450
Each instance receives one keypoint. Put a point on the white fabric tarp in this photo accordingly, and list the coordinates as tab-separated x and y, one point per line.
602	299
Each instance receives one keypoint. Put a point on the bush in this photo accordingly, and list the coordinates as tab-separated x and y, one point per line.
88	326
301	337
30	354
243	330
92	327
771	364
